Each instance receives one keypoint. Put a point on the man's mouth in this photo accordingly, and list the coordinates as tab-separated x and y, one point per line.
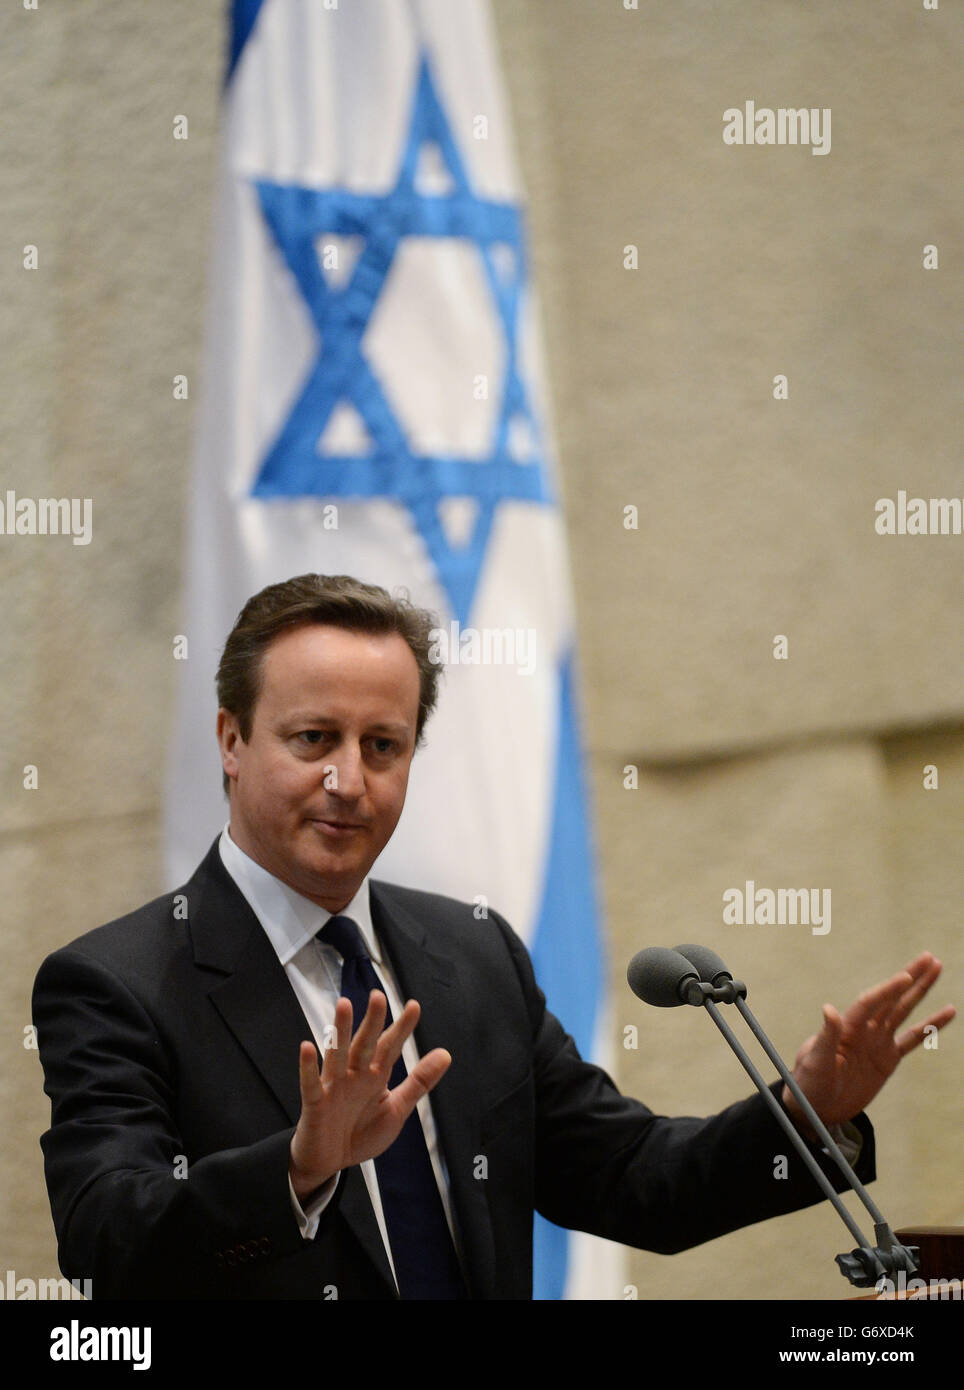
337	829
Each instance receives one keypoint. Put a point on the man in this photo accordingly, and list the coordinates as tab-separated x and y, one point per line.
195	1149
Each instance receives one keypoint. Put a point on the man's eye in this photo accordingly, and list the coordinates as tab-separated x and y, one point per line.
384	745
312	735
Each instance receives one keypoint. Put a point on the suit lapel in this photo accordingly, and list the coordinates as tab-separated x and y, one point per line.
254	997
258	1005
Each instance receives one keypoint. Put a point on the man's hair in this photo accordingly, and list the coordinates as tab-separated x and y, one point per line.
337	600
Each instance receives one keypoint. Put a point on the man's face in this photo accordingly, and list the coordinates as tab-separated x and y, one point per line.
318	788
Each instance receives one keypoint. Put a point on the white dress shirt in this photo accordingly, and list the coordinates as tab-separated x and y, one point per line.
291	923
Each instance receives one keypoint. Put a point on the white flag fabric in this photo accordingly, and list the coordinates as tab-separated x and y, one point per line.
373	404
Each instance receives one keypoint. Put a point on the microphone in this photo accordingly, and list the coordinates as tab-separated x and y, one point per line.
709	966
664	978
668	978
696	975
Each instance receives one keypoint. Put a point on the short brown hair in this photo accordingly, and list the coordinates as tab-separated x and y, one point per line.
337	600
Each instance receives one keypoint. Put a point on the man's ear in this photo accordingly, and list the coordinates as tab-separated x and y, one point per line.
229	736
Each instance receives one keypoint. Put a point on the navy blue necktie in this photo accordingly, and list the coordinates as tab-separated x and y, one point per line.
426	1265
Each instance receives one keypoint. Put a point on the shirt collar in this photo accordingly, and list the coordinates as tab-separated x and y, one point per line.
289	919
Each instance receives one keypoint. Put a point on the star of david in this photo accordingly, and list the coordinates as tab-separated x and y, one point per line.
293	465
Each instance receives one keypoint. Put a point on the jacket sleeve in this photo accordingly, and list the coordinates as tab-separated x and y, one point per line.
608	1165
131	1214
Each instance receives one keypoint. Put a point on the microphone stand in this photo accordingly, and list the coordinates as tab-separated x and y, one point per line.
866	1265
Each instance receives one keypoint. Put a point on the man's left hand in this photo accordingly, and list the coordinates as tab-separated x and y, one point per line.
841	1068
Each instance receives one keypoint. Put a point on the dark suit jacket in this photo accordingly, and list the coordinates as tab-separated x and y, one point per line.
172	1035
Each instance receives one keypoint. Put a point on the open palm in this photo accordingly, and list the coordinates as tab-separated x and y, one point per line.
841	1068
348	1112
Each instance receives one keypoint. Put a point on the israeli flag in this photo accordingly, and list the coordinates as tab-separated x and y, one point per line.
373	404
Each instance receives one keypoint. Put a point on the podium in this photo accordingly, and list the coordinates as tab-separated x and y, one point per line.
941	1258
941	1250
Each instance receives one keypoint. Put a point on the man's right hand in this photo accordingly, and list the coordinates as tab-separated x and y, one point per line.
348	1114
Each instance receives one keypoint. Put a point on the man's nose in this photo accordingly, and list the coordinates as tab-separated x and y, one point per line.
346	774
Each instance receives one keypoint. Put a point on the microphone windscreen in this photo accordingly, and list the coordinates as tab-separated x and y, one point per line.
656	974
706	963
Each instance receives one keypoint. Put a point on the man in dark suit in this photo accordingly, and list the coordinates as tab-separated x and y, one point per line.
196	1150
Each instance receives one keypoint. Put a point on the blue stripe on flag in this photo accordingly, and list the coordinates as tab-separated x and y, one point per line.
567	948
244	15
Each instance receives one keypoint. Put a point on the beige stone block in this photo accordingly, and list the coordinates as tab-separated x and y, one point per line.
120	211
756	517
924	834
57	882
